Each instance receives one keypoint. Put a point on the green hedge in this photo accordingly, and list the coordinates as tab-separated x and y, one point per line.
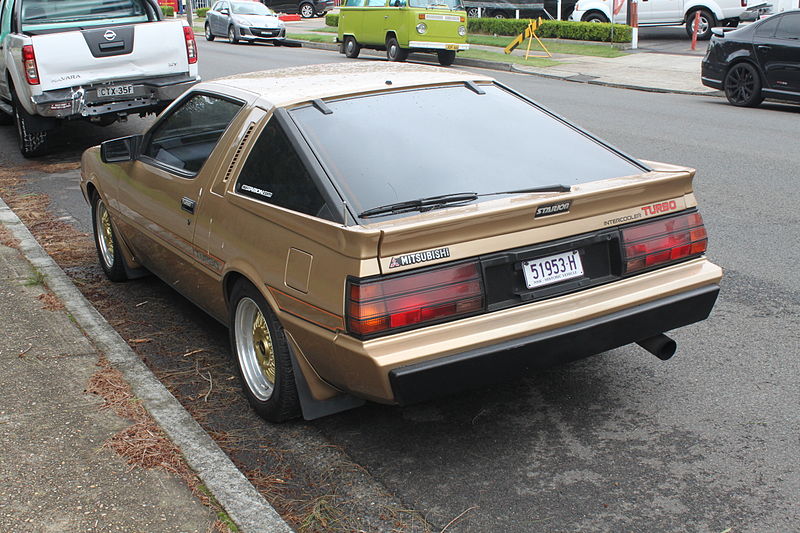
555	29
168	11
201	12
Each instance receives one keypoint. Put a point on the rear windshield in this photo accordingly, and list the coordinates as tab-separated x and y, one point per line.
406	145
36	13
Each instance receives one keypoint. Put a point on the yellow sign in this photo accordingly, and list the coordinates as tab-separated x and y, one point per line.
530	34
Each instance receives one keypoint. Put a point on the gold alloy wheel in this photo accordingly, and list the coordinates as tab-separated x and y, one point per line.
254	349
105	235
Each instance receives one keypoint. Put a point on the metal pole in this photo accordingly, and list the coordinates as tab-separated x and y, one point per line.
634	24
559	10
189	12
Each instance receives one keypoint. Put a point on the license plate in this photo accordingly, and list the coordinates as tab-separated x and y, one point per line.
451	46
552	269
115	90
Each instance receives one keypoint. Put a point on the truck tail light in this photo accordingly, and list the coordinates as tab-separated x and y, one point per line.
744	3
191	44
29	65
414	300
663	241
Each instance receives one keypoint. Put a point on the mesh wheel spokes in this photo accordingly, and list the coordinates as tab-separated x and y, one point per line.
105	235
254	349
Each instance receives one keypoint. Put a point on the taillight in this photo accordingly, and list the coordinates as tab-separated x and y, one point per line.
663	241
29	65
414	300
191	45
744	3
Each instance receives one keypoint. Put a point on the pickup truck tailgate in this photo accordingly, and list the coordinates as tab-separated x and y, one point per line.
98	55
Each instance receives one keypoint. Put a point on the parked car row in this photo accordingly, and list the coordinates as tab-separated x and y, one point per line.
243	21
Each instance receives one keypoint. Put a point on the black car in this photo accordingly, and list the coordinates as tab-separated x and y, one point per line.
305	8
761	60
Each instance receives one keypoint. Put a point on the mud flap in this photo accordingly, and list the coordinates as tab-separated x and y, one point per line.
312	408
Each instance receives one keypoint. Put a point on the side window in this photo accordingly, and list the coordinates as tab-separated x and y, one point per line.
354	3
186	137
274	173
376	3
767	28
789	27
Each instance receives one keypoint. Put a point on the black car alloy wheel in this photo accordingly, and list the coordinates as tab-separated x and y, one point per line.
743	85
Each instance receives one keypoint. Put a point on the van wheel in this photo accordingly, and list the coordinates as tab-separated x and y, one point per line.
209	35
232	35
351	47
446	57
262	353
743	85
595	16
394	52
105	241
306	10
707	21
473	12
31	144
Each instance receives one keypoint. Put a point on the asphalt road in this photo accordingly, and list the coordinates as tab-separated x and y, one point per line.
707	441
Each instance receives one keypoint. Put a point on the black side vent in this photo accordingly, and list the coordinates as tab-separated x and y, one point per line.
238	153
113	41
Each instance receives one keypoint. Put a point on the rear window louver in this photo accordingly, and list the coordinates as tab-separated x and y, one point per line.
239	150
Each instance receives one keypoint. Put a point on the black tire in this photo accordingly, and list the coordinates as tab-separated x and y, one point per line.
320	13
446	57
262	355
209	35
707	21
743	85
306	10
351	47
595	16
473	12
394	52
499	15
105	240
232	35
31	144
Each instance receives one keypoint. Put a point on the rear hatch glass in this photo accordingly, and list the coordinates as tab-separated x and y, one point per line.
410	144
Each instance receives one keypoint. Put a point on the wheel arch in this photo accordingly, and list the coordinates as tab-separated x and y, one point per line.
711	7
595	11
738	60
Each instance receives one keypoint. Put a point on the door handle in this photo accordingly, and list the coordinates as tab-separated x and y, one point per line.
187	204
764	47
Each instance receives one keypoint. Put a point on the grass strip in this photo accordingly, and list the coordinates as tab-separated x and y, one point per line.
555	47
503	58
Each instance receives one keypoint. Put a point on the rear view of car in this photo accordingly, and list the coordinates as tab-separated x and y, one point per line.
355	255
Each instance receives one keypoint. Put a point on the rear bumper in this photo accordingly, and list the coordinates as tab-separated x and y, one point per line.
429	379
149	94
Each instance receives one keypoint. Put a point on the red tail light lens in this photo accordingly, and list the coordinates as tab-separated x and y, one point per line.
385	304
663	241
191	45
29	65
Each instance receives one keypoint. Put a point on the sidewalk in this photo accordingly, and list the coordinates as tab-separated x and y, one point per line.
58	472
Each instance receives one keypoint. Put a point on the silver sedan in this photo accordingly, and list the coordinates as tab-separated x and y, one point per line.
244	21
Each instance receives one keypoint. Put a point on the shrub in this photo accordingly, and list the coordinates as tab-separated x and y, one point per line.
201	12
332	19
168	11
556	29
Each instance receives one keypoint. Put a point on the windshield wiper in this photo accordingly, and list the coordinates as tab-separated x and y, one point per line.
557	187
421	204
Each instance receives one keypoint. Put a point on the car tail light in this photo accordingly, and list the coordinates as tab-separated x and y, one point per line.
414	300
744	3
191	44
29	65
663	241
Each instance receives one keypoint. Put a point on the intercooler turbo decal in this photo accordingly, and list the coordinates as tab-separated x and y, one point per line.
657	208
419	257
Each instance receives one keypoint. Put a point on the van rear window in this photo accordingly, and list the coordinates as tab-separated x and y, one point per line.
35	13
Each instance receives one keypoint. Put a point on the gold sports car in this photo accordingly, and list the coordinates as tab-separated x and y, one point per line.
393	232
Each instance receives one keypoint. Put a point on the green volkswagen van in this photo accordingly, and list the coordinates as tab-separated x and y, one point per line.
403	26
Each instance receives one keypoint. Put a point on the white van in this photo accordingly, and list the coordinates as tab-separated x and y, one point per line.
667	13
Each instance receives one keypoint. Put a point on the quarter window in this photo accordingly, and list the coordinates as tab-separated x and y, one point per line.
186	137
789	27
274	173
767	28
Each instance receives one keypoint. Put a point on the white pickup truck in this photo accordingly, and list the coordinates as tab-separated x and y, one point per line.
98	60
669	13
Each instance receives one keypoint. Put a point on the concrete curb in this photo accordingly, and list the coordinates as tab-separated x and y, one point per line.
511	67
243	503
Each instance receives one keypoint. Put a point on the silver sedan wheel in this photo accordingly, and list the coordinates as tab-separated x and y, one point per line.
254	349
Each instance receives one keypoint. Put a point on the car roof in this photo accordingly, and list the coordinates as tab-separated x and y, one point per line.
285	87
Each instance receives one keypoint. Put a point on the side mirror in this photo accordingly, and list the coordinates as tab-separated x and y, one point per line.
225	11
120	150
